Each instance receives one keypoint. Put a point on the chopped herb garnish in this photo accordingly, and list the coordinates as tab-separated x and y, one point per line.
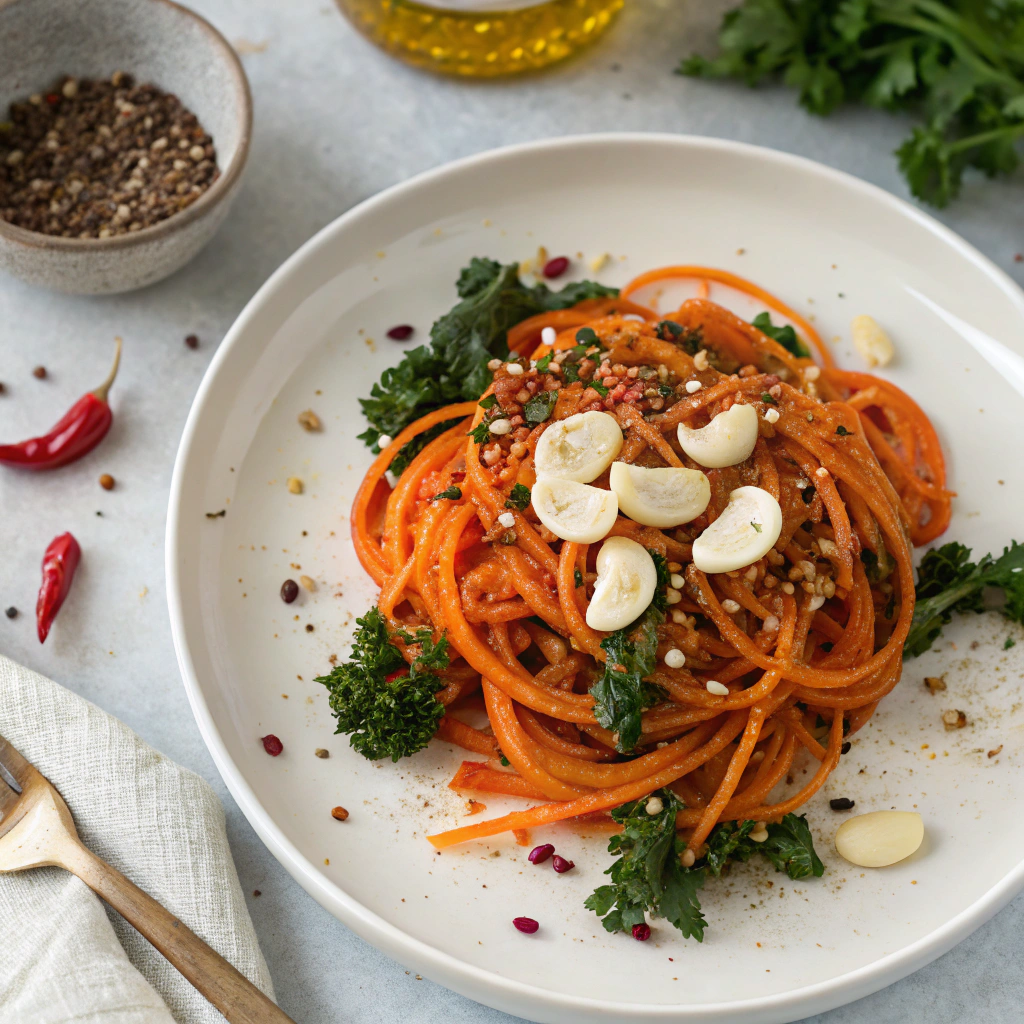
412	448
481	431
505	762
540	407
587	336
452	493
598	387
1008	643
544	362
669	329
518	498
842	431
756	526
768	399
665	391
487	401
785	336
577	578
388	710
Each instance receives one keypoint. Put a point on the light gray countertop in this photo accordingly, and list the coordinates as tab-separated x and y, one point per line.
336	121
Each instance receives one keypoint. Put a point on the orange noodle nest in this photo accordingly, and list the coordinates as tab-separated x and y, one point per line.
858	472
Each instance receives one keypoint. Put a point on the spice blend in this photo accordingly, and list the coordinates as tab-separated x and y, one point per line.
93	159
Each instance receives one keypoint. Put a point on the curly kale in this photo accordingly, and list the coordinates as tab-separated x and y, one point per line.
453	367
649	878
388	710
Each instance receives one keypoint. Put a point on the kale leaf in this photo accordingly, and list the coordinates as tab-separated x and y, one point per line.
785	336
540	407
948	581
649	878
388	711
959	67
621	695
453	367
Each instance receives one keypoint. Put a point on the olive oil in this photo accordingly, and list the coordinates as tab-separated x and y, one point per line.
481	38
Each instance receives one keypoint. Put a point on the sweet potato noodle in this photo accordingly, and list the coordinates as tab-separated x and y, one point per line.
818	637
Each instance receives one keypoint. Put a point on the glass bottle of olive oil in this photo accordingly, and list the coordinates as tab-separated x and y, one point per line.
481	38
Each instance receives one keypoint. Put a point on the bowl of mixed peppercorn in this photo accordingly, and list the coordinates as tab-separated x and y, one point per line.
124	130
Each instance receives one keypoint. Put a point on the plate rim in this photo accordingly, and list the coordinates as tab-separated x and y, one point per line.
476	982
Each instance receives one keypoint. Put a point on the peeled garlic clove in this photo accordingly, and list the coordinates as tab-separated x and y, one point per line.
626	579
746	531
871	342
660	497
727	440
880	838
572	511
579	448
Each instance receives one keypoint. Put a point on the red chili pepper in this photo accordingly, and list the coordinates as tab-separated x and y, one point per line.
59	564
82	428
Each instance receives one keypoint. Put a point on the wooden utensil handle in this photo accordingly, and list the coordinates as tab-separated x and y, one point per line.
232	993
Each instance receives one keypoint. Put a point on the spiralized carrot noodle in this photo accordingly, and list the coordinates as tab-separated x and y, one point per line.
817	639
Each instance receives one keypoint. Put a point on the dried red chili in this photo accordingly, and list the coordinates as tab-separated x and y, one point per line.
81	428
59	564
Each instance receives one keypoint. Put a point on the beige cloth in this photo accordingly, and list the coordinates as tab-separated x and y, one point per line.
64	956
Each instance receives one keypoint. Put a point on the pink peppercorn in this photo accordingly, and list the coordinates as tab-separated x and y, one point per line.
556	267
528	925
539	854
561	865
641	932
403	332
272	745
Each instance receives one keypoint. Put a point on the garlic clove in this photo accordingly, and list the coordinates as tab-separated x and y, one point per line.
746	530
880	838
663	497
574	512
579	448
727	440
626	580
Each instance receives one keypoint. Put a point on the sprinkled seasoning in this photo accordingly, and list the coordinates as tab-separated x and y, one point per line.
101	158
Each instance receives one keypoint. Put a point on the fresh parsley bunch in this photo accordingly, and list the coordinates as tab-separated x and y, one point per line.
388	711
957	65
649	878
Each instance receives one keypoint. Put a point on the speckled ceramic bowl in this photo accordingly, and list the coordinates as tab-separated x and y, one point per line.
156	41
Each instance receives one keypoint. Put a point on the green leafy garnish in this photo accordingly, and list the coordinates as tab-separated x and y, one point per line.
768	399
386	710
621	694
842	431
482	431
453	493
948	581
598	387
453	367
785	336
544	362
540	407
412	448
756	526
586	336
487	401
518	497
958	67
1008	643
648	877
577	578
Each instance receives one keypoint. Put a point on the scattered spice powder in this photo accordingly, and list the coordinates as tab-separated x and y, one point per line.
98	158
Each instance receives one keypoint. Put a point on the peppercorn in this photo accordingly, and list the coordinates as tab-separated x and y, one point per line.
271	744
339	813
289	591
841	803
309	627
12	612
39	373
192	341
107	482
320	752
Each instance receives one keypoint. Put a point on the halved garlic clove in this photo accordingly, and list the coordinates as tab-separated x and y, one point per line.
579	448
664	497
572	511
880	838
727	440
626	579
745	531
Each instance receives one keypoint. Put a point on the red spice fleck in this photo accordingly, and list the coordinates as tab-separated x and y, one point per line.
528	925
641	932
556	267
402	332
271	744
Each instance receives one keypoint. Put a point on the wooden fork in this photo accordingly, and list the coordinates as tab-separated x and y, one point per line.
37	830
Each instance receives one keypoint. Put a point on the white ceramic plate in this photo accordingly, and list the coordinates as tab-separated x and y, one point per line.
313	337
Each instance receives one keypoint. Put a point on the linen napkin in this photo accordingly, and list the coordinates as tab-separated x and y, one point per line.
64	956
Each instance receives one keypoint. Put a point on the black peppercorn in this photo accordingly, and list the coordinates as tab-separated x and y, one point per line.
841	803
12	612
289	591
